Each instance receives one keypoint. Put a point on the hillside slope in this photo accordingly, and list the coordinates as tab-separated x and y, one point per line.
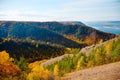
98	60
104	72
86	50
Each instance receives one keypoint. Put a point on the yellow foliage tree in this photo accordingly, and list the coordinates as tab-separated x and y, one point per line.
100	41
38	73
90	64
7	68
81	62
5	58
78	65
108	49
88	41
56	70
97	56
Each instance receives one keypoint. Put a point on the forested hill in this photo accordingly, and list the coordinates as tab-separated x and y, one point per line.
67	34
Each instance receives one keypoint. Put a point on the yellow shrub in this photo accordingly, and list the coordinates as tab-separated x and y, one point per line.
38	73
5	58
68	49
100	41
36	63
32	65
90	64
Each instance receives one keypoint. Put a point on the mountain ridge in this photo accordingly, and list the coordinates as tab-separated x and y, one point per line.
52	32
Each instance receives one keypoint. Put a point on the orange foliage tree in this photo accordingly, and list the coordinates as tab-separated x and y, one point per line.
7	68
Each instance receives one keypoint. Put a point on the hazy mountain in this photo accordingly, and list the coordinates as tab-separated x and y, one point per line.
72	22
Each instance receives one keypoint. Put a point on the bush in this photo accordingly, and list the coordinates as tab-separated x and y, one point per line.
39	73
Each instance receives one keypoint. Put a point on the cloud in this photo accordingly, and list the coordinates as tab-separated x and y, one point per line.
22	15
112	27
60	10
17	14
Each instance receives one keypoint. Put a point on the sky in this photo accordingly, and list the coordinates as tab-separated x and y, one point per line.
60	10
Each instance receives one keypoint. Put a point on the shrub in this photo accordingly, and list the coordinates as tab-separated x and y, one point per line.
39	73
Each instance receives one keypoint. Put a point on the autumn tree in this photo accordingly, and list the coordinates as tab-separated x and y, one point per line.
7	68
5	58
90	63
81	62
78	65
56	70
88	41
108	49
97	56
100	41
38	73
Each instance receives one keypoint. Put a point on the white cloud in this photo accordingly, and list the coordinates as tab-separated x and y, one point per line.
83	10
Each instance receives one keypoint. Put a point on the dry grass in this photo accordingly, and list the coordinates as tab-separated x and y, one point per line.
104	72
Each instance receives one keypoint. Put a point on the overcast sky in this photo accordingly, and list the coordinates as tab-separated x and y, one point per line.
60	10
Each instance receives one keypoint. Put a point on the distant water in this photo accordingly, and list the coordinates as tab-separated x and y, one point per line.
106	26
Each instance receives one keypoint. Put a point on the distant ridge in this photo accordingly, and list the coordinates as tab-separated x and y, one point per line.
72	23
52	32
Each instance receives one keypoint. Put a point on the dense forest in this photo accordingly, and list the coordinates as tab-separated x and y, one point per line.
30	50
